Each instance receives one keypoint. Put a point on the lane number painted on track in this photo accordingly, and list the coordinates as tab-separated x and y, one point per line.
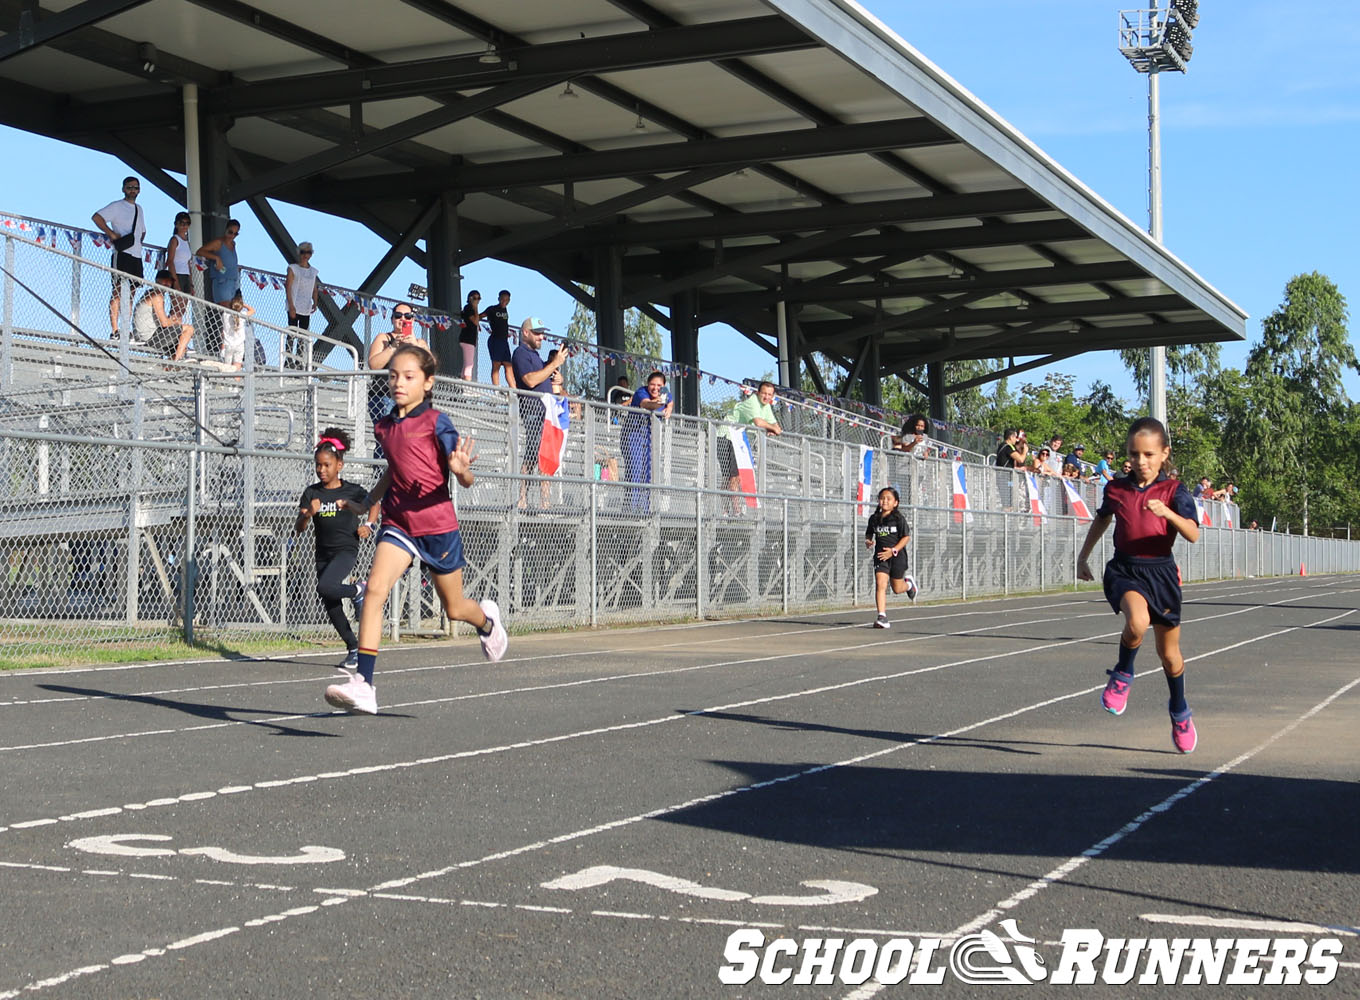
118	844
833	892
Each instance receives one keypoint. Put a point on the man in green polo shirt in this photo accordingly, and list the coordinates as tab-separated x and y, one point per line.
754	409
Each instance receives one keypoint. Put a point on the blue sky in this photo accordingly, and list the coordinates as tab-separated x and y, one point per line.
1259	147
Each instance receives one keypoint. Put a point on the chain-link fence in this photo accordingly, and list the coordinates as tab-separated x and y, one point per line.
107	540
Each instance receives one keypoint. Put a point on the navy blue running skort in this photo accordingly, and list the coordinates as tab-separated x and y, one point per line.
441	553
1157	580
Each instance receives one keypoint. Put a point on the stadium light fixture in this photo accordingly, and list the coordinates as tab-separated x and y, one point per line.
1157	40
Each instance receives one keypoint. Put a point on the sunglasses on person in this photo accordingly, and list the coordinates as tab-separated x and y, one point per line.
403	315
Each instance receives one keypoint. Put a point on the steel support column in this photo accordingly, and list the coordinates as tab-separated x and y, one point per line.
609	308
685	349
445	282
869	374
938	410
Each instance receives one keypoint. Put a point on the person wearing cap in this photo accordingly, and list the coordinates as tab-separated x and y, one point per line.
300	289
1076	457
380	353
532	375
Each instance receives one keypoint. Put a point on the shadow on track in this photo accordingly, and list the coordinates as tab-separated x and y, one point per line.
216	713
1238	820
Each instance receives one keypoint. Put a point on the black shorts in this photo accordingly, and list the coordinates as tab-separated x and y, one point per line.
125	263
895	567
1157	580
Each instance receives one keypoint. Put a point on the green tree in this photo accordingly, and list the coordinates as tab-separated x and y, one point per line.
1286	423
641	336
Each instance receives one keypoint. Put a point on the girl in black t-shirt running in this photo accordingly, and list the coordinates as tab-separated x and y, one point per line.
336	506
887	535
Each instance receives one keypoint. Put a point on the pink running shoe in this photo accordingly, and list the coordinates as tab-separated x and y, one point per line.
1183	735
356	696
1115	698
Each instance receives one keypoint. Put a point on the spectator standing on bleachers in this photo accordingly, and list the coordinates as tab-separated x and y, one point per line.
1105	468
1076	457
1009	458
756	409
1204	490
1055	455
178	256
914	439
225	275
531	372
300	290
498	340
471	319
380	353
124	223
156	320
1125	470
652	400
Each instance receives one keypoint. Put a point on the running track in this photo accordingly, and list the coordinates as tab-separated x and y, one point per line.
209	828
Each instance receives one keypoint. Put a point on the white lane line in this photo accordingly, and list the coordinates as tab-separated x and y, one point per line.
672	717
274	720
561	655
1072	864
386	887
1241	587
1242	924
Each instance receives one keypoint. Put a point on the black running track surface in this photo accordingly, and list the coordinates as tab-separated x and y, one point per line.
594	816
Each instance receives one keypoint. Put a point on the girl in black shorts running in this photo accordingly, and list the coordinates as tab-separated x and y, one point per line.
1142	581
887	535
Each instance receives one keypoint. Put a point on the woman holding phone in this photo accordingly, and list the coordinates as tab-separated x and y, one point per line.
380	353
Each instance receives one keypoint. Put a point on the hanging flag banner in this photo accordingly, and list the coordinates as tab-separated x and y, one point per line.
1074	500
553	444
866	476
746	468
1036	504
961	510
1203	513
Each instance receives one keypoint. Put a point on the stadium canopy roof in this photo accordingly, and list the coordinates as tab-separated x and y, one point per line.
704	160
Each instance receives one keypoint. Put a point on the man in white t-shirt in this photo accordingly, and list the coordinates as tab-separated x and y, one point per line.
124	223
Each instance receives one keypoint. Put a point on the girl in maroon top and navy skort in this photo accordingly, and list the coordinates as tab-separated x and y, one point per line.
418	520
1142	581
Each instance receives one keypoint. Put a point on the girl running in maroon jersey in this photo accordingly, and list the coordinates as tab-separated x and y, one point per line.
1142	581
418	520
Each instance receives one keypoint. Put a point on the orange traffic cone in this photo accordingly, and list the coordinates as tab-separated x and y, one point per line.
1303	568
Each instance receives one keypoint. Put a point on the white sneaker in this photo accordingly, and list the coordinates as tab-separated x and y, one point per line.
355	696
495	644
358	601
882	622
911	587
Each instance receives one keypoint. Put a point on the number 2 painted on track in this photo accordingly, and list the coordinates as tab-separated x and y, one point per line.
118	844
833	892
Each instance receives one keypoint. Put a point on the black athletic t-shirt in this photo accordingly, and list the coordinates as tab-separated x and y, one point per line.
1003	456
336	530
499	318
468	334
887	532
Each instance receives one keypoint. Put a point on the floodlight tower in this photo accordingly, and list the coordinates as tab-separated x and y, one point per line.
1157	40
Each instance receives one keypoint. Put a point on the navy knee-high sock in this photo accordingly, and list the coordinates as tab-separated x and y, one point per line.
1176	685
368	659
1126	655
